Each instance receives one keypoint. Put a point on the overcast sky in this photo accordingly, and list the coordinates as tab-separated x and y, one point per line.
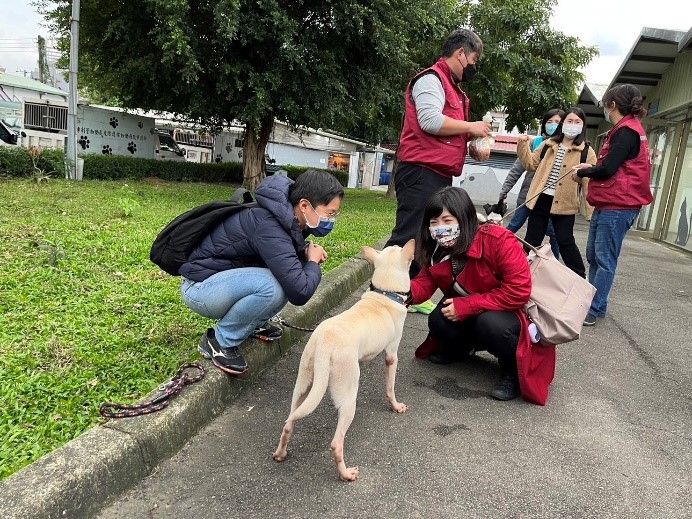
611	25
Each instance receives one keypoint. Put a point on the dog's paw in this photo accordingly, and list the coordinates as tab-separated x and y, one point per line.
349	474
399	408
279	456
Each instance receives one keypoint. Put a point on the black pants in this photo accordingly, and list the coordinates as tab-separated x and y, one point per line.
564	232
494	332
414	184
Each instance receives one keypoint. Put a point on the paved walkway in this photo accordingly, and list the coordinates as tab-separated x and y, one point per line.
615	439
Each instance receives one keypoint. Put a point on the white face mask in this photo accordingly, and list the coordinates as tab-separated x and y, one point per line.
606	114
571	130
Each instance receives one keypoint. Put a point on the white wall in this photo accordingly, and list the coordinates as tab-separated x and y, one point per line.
114	132
297	156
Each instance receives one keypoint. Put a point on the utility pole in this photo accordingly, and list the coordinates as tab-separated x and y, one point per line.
74	96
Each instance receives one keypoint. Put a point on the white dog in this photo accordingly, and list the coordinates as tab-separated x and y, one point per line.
332	355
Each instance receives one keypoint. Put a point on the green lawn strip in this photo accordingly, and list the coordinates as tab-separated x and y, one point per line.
85	317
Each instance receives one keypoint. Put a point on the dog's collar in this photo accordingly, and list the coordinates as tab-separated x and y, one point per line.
397	297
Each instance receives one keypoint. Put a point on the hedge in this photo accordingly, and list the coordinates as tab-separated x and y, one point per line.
16	162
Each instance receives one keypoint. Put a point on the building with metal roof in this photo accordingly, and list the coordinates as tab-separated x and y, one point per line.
659	64
15	89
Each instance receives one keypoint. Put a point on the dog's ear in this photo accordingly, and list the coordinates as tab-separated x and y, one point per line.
370	254
410	249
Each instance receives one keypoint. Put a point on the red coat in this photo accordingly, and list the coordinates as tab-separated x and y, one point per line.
497	277
442	154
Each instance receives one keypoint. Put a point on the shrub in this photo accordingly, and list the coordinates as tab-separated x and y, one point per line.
114	167
294	171
16	162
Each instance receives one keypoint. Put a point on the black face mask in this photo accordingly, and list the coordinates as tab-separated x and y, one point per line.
470	72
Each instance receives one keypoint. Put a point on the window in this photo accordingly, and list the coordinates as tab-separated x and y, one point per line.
339	161
680	226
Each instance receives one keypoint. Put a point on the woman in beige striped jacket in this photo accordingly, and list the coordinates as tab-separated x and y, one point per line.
558	200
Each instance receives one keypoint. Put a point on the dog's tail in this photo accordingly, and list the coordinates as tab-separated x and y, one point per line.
320	381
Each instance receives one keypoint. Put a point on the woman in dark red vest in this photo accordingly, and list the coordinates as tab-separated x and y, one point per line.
486	281
619	186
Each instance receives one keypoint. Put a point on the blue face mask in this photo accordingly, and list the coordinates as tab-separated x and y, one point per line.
324	225
550	128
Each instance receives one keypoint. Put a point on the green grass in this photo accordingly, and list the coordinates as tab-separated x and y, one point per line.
85	317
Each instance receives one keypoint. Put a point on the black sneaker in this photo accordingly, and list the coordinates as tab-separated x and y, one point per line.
449	357
441	358
227	359
590	319
507	388
268	332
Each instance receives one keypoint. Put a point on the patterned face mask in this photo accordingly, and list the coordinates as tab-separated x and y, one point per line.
445	235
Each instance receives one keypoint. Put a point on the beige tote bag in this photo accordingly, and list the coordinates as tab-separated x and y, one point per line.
560	299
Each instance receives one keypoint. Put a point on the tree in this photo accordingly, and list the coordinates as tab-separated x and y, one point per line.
527	68
322	63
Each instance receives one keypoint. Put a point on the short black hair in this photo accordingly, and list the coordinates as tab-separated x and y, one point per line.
462	38
457	201
548	115
558	135
317	187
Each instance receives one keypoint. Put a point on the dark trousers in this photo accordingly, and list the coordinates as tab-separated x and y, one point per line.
414	184
494	332
564	232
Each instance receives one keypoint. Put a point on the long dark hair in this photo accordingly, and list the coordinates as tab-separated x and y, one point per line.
459	204
558	135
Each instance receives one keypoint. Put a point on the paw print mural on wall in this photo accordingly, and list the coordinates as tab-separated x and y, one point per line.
83	142
113	122
107	150
132	147
140	124
218	158
228	147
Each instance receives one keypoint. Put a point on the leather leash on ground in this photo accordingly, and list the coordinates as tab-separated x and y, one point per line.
280	320
170	389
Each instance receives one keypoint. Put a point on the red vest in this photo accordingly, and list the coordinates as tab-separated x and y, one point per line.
443	155
630	186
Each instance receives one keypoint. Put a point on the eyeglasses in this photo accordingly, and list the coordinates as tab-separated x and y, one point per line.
330	214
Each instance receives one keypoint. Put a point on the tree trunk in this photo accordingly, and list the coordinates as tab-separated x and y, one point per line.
254	148
391	191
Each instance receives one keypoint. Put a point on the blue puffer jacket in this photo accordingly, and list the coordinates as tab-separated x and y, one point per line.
265	236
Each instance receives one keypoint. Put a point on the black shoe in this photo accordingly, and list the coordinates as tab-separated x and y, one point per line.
268	332
507	388
441	358
227	359
449	357
590	319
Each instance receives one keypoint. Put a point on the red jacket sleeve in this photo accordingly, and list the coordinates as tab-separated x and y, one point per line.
423	286
508	259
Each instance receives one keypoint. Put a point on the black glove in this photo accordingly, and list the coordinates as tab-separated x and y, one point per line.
499	208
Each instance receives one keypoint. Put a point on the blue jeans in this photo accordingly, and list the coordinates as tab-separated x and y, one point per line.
521	215
606	234
241	299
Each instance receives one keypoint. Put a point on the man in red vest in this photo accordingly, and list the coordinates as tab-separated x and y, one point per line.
436	129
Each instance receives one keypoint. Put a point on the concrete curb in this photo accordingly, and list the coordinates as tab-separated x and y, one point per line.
78	479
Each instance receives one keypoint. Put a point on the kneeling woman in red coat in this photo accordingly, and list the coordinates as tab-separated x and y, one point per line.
486	280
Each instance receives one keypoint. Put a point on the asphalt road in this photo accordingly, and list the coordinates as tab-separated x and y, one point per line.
615	439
